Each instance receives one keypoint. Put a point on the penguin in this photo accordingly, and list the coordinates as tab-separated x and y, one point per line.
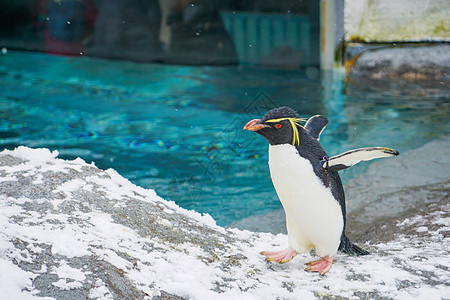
308	185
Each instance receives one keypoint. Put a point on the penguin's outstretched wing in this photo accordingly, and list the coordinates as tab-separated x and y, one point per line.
352	157
315	125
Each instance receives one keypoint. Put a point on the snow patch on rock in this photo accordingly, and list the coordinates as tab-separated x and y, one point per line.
71	230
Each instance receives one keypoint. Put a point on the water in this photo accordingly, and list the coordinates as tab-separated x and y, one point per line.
178	129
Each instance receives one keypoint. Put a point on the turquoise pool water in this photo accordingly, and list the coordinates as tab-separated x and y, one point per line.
178	129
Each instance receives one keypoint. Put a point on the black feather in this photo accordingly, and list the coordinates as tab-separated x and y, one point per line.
351	249
315	125
280	112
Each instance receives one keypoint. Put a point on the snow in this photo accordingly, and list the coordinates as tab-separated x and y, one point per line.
14	282
100	291
88	224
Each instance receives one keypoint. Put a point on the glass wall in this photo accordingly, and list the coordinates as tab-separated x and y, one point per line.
269	33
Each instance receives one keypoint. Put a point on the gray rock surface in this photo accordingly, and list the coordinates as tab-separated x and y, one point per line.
394	188
73	231
408	62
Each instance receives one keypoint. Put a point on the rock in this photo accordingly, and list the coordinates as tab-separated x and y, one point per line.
418	225
71	231
430	62
397	187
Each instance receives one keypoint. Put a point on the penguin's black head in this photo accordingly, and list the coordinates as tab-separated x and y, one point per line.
278	126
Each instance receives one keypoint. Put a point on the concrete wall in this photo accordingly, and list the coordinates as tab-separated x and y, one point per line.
399	20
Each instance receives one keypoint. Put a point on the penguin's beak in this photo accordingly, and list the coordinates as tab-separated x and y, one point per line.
254	125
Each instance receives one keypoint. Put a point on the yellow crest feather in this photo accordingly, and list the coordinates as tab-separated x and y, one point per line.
294	123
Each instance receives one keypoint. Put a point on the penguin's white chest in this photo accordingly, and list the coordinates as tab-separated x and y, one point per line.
313	216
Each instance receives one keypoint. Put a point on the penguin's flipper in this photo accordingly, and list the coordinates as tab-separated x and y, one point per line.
315	125
352	157
351	249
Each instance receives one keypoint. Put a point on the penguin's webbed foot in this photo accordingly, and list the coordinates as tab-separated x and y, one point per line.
282	256
321	266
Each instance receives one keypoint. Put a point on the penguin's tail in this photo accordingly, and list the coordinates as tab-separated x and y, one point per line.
351	249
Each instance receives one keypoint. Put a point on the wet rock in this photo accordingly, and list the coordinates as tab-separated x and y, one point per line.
430	62
418	225
402	186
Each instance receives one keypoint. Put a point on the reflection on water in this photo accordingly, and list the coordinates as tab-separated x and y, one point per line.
178	129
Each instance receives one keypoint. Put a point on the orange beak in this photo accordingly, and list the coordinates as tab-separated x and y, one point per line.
254	126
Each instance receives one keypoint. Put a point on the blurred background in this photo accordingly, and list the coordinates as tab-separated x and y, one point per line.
283	33
277	34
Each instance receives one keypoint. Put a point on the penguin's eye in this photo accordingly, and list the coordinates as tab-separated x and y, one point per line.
278	126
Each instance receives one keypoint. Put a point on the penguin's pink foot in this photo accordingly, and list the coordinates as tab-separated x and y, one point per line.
322	265
282	256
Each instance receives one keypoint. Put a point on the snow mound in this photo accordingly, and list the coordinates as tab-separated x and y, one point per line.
73	231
